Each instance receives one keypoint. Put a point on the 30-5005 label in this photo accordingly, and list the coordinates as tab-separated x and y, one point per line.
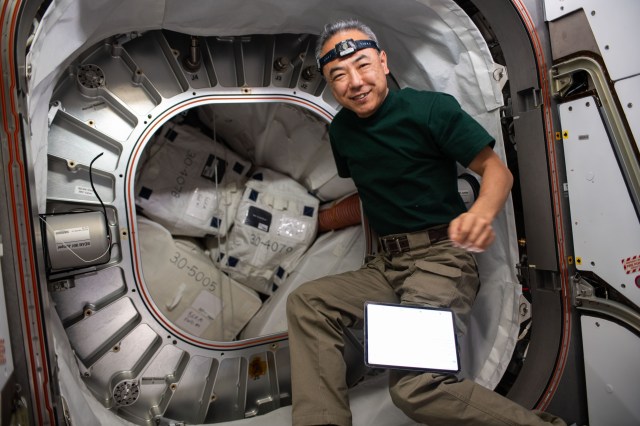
182	263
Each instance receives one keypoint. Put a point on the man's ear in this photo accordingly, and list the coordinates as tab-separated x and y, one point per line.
383	61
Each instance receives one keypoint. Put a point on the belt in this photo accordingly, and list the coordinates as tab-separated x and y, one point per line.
401	243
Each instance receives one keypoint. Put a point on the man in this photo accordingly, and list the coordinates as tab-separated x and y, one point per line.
401	149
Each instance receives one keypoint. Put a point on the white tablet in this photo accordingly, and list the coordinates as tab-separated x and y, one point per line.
410	337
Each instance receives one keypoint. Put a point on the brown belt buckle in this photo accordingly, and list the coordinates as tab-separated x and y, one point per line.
392	245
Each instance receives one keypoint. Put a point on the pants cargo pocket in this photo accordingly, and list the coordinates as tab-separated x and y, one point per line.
432	284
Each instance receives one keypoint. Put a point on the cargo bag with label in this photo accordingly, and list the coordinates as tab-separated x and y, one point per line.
190	183
333	252
189	289
276	222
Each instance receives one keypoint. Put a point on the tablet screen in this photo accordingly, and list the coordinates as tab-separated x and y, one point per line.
410	337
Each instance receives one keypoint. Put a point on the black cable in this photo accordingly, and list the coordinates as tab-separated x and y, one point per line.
104	209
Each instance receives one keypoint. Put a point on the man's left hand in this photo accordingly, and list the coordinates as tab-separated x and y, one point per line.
471	232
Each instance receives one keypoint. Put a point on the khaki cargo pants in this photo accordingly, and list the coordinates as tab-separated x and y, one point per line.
318	311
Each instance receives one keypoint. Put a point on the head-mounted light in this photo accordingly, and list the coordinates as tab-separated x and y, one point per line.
346	48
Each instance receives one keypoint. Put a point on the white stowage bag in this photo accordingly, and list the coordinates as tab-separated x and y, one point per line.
190	183
333	252
275	223
189	289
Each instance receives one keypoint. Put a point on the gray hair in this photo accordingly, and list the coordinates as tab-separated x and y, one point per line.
339	26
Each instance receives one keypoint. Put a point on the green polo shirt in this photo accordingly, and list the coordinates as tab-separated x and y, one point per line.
403	158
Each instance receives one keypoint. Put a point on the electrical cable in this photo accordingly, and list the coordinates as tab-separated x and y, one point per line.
104	209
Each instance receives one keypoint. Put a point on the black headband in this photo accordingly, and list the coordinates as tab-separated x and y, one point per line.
345	48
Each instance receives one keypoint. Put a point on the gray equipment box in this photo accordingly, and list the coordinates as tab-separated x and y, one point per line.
77	240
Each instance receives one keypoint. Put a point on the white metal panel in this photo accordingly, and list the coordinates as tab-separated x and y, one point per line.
615	28
629	94
554	9
598	195
611	372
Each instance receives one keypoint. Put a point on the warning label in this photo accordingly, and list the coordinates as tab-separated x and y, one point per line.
73	238
631	264
83	190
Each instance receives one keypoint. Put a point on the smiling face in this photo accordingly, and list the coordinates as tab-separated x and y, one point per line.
358	81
